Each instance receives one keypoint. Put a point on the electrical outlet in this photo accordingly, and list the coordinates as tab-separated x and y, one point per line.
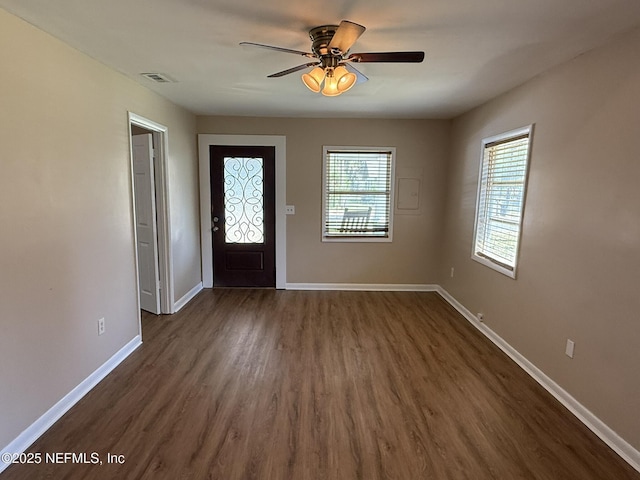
452	269
290	210
480	316
101	326
569	348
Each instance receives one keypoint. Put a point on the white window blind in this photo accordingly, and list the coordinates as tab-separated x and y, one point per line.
501	194
357	193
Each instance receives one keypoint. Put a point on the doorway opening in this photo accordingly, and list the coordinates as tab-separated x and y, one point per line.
148	150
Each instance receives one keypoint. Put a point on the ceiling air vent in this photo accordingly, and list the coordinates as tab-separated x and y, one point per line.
158	77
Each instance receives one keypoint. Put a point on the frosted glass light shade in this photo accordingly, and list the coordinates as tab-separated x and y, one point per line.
331	86
313	79
346	79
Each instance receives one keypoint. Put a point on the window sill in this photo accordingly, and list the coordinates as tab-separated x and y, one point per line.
494	266
335	239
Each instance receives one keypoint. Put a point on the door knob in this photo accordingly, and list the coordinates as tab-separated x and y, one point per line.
215	229
215	219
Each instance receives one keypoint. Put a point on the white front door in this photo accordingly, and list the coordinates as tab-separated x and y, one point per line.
146	230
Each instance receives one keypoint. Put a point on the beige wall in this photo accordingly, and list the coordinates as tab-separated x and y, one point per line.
579	272
66	243
413	255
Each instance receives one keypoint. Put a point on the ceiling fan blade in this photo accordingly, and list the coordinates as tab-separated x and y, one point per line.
361	77
278	49
346	35
387	57
293	70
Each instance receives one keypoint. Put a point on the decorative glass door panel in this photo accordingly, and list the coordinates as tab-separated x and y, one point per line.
244	199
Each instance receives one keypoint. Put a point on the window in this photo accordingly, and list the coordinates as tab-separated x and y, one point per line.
357	194
500	204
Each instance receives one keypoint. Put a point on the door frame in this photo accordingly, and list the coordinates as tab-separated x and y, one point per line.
163	225
206	237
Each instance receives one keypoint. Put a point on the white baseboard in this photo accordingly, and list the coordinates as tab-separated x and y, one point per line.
365	287
33	432
187	297
597	426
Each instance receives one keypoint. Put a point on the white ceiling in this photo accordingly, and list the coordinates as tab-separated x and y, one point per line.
475	49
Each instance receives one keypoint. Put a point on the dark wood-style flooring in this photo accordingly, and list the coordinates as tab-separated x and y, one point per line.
264	384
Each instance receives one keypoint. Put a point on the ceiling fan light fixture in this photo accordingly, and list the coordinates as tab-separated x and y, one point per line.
313	79
333	71
345	79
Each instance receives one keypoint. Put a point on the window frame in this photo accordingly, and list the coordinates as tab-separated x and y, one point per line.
358	238
487	260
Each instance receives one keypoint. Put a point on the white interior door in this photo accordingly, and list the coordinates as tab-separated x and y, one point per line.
146	229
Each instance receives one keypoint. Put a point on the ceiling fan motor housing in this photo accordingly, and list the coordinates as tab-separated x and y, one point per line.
320	39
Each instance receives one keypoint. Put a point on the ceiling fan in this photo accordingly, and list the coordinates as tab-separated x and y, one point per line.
333	71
